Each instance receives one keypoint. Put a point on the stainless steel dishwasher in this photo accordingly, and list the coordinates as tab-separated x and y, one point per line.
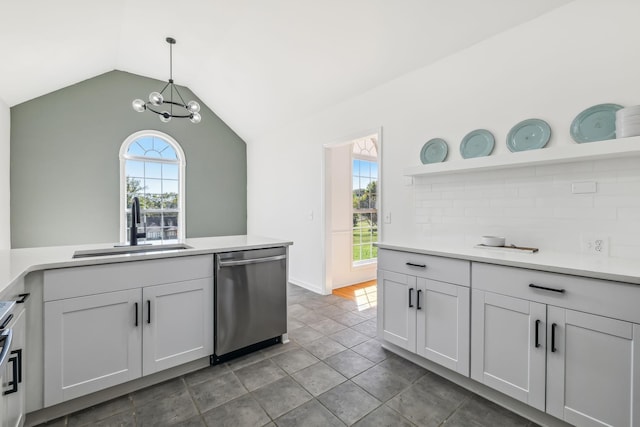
250	300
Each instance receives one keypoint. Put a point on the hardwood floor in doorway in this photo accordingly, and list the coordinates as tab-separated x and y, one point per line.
364	294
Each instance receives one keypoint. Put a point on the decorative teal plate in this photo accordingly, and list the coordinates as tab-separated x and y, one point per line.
434	151
596	123
529	134
477	143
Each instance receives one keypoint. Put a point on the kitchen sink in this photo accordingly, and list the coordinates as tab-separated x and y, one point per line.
123	250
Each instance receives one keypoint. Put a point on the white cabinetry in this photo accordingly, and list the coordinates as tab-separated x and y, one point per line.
424	306
566	345
13	389
108	324
91	343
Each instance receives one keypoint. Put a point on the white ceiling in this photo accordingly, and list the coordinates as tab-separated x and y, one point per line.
258	64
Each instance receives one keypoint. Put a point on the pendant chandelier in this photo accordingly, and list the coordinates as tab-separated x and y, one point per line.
172	107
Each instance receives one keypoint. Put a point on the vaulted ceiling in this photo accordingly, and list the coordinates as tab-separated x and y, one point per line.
259	64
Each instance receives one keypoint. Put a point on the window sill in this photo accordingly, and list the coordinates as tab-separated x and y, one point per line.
365	263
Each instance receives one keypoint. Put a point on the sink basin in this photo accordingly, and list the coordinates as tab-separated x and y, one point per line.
122	250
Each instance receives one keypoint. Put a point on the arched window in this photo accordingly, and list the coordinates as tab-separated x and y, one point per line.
152	168
364	176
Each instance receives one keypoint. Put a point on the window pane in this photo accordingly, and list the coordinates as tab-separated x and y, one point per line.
374	170
135	149
169	186
170	201
153	226
356	167
153	153
169	171
153	170
153	186
159	144
134	168
146	143
168	153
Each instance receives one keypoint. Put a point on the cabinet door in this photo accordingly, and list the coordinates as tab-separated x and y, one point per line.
443	324
505	354
14	373
91	343
592	369
178	323
397	315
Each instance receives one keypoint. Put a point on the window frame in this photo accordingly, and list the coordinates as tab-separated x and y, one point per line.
182	162
373	159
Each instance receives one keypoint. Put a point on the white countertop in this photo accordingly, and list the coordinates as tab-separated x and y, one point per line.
15	263
599	267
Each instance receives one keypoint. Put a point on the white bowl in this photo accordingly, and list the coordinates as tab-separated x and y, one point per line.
630	127
628	111
627	133
632	120
493	241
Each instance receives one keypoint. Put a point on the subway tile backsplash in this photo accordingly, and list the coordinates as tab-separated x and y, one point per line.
535	206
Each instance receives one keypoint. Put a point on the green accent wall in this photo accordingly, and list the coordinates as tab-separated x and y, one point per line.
65	168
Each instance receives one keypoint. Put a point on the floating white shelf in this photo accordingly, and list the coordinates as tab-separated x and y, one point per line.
609	149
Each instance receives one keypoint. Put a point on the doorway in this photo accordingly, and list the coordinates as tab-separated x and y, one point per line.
351	199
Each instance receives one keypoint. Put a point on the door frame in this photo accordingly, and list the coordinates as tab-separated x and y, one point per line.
325	204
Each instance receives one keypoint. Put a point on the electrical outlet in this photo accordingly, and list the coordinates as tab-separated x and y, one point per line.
595	244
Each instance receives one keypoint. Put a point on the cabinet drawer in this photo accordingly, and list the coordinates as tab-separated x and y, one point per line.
430	267
95	279
606	298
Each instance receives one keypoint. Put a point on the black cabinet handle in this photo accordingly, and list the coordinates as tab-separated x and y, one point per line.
537	334
544	288
23	298
6	321
410	294
411	264
18	353
148	311
14	370
418	299
136	305
553	337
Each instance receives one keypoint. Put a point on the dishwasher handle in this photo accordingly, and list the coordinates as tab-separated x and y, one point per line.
250	261
5	337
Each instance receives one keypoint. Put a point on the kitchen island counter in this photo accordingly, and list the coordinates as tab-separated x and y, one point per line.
16	263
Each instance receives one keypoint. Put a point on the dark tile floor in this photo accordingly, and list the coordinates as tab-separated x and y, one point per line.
332	373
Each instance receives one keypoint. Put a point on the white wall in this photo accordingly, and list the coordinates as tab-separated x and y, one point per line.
551	68
5	135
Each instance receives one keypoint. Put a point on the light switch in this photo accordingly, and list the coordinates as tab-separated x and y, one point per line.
387	218
408	181
583	187
310	215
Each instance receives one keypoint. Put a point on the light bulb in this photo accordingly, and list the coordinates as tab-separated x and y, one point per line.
193	106
156	98
165	117
195	118
138	105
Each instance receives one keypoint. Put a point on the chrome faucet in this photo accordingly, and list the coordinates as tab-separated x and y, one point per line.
135	220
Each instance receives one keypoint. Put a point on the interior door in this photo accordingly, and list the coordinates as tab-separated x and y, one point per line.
507	346
592	369
443	324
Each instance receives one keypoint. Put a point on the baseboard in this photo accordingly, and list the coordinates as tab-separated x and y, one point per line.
515	406
308	286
